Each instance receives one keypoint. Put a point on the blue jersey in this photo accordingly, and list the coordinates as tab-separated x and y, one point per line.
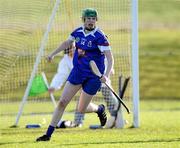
87	49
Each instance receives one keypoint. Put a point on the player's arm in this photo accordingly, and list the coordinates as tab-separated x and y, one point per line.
64	45
110	62
104	46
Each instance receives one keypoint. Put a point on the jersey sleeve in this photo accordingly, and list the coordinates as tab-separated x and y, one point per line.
104	48
73	35
103	43
72	38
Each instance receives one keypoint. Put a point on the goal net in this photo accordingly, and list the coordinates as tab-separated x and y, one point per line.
26	27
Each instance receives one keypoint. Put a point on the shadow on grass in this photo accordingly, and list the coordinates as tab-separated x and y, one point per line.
40	130
21	142
21	132
121	142
96	143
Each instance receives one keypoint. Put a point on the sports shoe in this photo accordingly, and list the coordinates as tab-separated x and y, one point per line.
102	114
43	138
68	124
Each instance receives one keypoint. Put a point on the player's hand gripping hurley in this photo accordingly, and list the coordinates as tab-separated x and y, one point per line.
97	72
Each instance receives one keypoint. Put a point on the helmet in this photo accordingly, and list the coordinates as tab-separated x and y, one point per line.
89	12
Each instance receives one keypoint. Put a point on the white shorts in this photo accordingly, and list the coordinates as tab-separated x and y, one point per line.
64	68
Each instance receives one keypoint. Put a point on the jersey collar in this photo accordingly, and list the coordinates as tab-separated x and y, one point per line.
90	33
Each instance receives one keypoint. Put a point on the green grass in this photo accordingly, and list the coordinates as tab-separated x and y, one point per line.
159	127
159	40
159	76
159	12
159	36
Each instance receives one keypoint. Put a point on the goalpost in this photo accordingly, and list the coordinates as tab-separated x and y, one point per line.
135	64
25	41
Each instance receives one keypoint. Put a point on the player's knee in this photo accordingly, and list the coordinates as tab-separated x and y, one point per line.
62	103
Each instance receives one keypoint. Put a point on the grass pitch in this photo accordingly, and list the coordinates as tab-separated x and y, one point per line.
160	119
159	128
